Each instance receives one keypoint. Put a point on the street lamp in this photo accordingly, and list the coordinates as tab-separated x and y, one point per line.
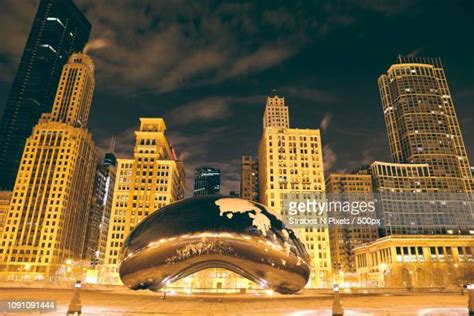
337	309
75	306
470	303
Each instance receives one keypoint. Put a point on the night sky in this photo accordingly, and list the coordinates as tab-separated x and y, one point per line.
206	67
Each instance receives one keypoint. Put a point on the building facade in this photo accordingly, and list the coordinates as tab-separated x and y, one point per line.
276	113
5	197
416	261
153	178
47	219
58	30
430	169
412	202
421	121
249	179
290	161
99	214
207	181
343	238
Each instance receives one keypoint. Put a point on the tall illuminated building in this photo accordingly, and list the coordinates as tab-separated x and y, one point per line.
153	178
421	191
99	214
249	178
207	181
58	30
290	161
343	238
47	220
421	121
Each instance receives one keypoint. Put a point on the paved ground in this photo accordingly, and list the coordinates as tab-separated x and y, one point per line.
110	302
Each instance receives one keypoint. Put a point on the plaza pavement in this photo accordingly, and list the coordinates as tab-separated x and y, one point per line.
127	302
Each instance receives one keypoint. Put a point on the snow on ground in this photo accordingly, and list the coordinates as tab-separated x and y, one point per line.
120	302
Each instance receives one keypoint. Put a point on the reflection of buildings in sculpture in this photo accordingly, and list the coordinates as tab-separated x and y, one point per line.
5	197
249	179
153	178
416	261
215	280
343	238
58	30
207	181
290	161
99	215
214	232
47	219
233	194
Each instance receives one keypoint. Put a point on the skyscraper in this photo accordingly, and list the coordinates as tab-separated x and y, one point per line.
47	220
58	30
207	181
421	121
290	162
428	152
153	178
249	179
99	214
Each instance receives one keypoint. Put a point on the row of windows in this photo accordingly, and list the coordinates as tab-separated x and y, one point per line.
417	254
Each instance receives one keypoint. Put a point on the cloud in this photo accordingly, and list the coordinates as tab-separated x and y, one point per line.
164	46
329	158
197	63
325	122
414	52
95	44
386	7
314	95
210	109
263	58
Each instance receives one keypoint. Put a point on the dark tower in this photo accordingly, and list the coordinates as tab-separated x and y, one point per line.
207	181
58	30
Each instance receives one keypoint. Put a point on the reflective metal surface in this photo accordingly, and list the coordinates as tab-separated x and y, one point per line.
214	231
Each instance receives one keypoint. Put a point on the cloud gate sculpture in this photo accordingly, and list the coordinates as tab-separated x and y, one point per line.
214	232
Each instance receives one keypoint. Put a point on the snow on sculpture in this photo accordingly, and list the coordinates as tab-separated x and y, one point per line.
233	205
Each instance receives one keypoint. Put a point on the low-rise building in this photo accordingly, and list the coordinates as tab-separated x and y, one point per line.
416	261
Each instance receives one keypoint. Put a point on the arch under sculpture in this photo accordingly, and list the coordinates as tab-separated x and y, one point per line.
214	231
